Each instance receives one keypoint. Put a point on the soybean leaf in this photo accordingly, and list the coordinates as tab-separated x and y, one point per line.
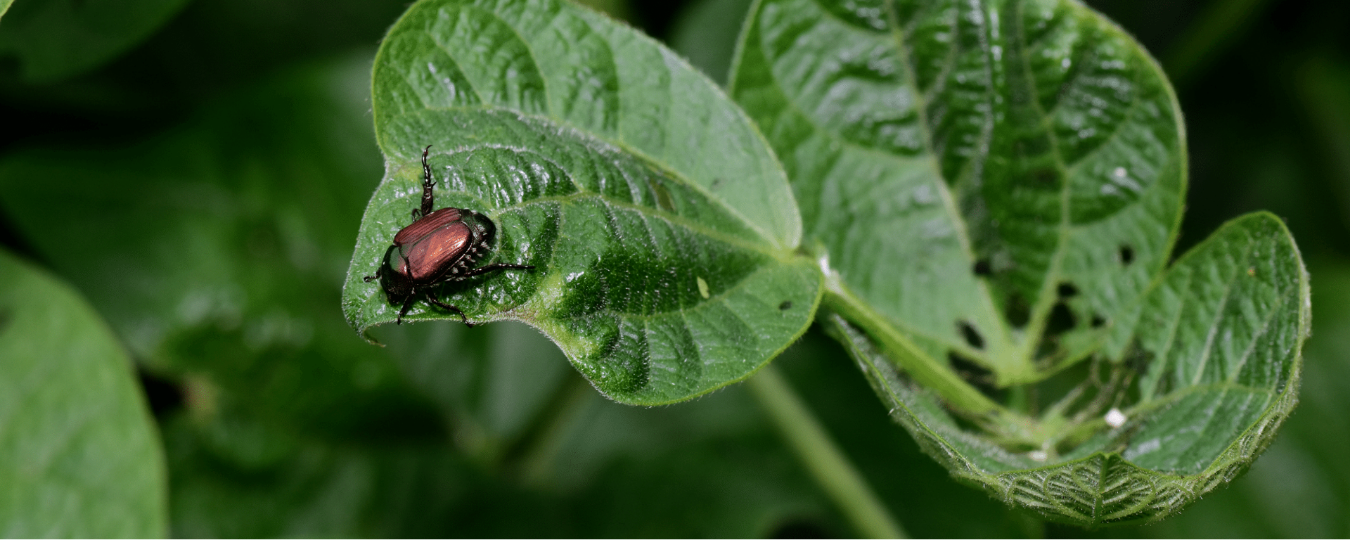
889	458
4	6
56	39
1296	489
1217	352
996	180
79	456
215	248
660	226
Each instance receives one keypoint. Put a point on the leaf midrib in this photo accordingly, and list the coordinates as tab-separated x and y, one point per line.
582	193
1046	299
901	40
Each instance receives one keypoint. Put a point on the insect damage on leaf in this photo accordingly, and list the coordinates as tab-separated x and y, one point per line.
998	188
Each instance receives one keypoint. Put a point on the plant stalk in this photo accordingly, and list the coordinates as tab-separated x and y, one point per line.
831	469
924	369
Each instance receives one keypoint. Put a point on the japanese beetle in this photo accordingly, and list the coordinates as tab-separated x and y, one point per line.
438	247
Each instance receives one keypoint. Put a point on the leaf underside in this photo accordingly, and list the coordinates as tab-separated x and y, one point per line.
661	229
1000	184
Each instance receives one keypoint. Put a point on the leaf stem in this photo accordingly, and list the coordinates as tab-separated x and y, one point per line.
904	353
536	455
831	469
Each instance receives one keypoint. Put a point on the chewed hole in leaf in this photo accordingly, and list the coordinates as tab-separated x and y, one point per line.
1126	254
1067	290
1061	320
971	335
1098	321
1018	311
786	305
977	375
983	268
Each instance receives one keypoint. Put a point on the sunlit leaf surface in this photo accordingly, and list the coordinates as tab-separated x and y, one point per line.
998	181
995	186
660	226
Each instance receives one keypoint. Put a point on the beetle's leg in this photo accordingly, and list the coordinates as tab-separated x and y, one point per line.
407	304
496	267
427	183
369	279
416	214
431	297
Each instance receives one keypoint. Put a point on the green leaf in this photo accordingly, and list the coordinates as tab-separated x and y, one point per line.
79	455
659	223
1297	488
996	181
56	39
1218	353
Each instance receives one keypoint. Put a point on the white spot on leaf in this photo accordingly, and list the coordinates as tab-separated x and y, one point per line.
1115	418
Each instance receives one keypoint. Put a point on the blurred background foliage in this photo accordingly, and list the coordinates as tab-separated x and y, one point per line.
197	170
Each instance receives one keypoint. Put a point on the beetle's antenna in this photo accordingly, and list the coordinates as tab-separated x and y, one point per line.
427	183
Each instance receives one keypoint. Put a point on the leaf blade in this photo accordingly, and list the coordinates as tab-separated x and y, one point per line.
80	453
1172	449
953	125
586	72
659	223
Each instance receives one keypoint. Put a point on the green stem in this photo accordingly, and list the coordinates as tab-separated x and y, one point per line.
923	368
826	462
536	455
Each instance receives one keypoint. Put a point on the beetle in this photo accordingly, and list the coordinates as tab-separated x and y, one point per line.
437	247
